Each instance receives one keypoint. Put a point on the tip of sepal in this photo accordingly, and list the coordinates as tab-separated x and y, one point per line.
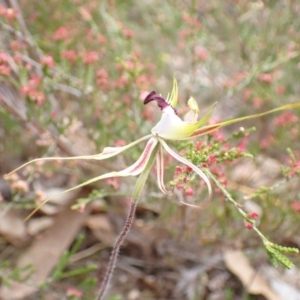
193	105
173	98
200	206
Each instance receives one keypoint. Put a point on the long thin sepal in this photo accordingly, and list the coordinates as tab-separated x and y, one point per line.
106	153
173	98
207	116
160	171
140	183
133	170
194	168
210	128
205	130
284	107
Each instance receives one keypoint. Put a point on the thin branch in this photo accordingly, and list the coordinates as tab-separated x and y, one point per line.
21	21
36	128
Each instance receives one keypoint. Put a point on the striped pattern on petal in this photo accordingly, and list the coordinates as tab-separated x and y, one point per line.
195	169
133	170
160	171
106	153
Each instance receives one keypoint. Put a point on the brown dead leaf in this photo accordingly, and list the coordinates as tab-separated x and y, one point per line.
38	225
254	283
257	172
57	200
12	227
45	252
101	229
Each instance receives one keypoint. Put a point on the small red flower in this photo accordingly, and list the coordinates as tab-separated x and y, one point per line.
188	169
61	34
296	206
202	54
129	34
5	70
211	159
189	191
91	57
47	61
248	225
286	117
69	55
253	215
179	186
73	292
120	143
9	14
3	57
257	102
179	170
266	78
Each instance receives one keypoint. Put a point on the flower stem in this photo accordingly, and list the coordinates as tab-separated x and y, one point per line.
236	204
139	186
114	254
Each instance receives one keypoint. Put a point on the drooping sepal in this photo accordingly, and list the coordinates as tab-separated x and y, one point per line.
107	152
195	169
160	172
133	170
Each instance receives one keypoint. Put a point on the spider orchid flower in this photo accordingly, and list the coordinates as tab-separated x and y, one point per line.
170	127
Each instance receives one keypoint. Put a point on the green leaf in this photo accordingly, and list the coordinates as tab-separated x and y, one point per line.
275	255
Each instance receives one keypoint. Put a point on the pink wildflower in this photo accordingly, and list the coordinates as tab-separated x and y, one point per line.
296	206
120	143
3	57
35	81
61	34
246	94
178	170
37	96
17	45
189	192
248	225
266	78
113	182
188	169
179	186
47	61
121	82
257	102
286	117
91	57
69	55
253	215
211	159
280	90
9	14
202	54
102	38
5	70
20	186
129	34
73	292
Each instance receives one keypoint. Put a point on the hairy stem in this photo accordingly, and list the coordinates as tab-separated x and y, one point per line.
139	186
114	254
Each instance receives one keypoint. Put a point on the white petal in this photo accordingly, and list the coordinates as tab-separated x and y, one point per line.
167	123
